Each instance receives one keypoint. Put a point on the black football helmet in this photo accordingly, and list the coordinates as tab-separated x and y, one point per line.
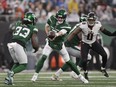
91	18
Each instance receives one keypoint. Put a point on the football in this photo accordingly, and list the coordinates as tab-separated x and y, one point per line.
51	34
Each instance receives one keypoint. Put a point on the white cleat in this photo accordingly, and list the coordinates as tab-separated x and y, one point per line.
80	77
9	81
9	78
73	75
55	78
34	78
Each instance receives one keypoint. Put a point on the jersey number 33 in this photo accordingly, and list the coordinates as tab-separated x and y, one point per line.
22	32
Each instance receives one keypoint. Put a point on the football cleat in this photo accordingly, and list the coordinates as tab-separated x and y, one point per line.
34	78
80	77
73	75
86	75
55	78
103	70
9	80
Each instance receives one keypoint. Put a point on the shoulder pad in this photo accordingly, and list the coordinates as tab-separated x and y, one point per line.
97	22
52	17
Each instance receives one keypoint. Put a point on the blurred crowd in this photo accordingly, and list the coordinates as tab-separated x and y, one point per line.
11	10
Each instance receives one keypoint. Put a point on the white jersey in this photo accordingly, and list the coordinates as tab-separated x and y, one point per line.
89	35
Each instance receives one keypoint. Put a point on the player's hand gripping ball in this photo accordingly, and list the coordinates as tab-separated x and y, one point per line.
51	35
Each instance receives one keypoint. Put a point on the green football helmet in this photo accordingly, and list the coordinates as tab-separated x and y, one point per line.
61	16
29	18
83	18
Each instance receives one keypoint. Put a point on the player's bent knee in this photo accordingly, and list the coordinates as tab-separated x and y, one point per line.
104	55
24	65
67	59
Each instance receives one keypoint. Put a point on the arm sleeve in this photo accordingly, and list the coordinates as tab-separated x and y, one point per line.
106	32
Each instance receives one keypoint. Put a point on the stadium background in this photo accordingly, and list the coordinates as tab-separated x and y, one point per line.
13	10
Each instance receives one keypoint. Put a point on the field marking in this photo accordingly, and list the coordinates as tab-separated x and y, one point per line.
52	72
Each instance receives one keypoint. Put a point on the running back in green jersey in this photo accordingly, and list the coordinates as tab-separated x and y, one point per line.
23	32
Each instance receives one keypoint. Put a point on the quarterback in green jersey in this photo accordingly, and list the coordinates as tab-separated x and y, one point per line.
58	24
24	31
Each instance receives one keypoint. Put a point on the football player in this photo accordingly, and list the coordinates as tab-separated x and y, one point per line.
90	30
24	31
73	49
58	24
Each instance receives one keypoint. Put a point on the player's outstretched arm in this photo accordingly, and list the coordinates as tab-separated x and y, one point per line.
73	33
106	32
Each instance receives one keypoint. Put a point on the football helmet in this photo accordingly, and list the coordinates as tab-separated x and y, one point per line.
61	16
91	18
29	18
83	18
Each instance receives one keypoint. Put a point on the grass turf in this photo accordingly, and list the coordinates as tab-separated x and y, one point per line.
96	80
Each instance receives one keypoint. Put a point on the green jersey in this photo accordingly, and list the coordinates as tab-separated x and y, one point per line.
57	43
23	33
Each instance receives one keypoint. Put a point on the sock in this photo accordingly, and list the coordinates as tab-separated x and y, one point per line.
65	67
104	61
86	71
80	63
84	66
40	63
14	66
73	67
59	72
35	74
19	68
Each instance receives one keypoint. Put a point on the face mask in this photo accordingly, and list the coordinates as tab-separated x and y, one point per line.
91	22
60	20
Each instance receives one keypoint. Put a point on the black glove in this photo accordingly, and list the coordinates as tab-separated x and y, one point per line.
114	33
35	49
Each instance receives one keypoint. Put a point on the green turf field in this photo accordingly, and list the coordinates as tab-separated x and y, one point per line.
96	80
